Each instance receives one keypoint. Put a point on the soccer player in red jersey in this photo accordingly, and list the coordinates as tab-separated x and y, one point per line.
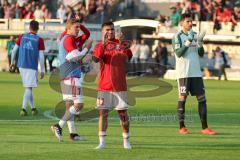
79	41
112	86
70	74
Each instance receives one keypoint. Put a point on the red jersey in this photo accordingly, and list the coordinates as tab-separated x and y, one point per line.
112	67
81	39
41	45
70	43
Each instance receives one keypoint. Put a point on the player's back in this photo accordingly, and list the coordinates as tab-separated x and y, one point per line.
29	51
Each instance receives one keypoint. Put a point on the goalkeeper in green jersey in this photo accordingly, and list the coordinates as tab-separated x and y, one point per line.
188	48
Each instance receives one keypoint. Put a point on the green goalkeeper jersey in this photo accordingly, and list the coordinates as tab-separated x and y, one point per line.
187	58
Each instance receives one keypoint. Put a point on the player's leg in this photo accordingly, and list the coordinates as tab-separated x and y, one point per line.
202	110
181	114
32	103
79	104
197	88
124	121
183	92
220	72
71	124
57	128
75	110
120	101
102	127
9	60
69	91
29	80
224	73
26	99
103	104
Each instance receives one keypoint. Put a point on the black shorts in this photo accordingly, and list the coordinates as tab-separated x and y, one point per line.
194	85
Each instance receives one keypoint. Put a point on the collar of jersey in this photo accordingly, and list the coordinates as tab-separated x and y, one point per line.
184	33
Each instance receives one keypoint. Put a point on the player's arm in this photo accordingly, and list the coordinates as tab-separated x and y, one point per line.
15	49
200	43
74	54
178	48
201	51
98	53
41	48
41	61
85	35
13	55
129	54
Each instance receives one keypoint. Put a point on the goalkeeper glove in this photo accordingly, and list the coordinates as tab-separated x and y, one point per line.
190	38
190	35
200	38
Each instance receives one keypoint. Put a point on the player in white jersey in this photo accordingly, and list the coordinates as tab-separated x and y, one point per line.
188	47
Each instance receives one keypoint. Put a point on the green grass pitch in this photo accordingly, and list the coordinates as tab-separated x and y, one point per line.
152	138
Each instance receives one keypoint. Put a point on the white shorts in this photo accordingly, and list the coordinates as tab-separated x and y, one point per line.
29	77
72	90
109	100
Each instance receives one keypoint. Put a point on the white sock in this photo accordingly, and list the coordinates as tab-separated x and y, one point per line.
26	97
102	137
126	135
71	126
61	123
74	110
31	100
126	142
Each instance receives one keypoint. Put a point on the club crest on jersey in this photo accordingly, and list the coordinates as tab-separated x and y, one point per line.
28	46
194	43
177	46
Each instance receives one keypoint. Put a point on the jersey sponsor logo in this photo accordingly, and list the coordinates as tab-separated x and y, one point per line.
28	45
110	46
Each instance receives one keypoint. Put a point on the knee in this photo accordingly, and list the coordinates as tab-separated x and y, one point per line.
79	105
123	115
103	114
68	103
182	98
201	98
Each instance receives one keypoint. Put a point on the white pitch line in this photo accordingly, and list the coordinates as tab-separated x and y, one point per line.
48	114
25	120
50	117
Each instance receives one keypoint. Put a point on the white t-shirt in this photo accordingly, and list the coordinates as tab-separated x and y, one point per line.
144	52
135	48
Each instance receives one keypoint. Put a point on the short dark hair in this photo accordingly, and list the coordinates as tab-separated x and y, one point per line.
184	16
34	25
107	24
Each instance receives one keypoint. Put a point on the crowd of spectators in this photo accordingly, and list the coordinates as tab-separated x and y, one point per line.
101	9
218	11
25	10
39	9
